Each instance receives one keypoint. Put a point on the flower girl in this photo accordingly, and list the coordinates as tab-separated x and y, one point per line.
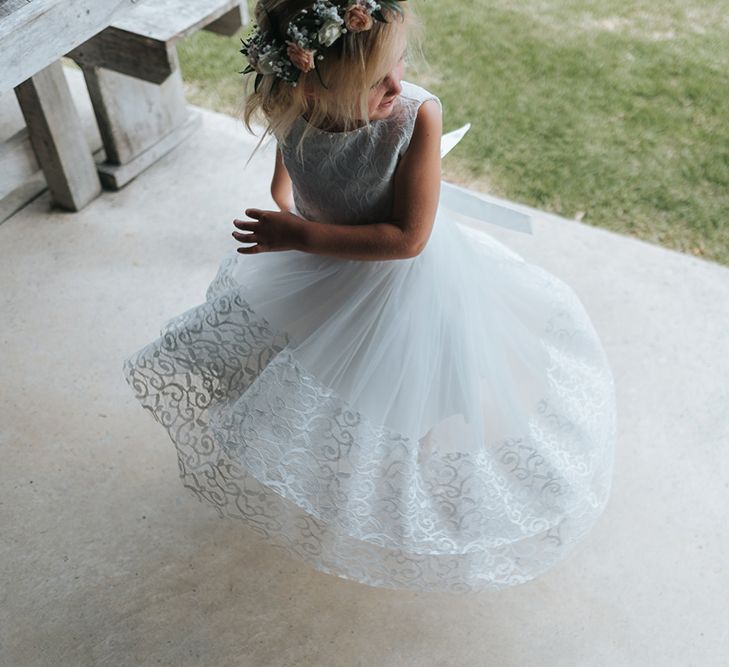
368	386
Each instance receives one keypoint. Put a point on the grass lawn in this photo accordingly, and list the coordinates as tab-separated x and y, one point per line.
613	112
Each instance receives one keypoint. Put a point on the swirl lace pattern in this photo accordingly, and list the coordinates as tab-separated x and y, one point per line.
260	439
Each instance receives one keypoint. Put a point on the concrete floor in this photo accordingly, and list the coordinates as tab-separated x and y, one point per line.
106	560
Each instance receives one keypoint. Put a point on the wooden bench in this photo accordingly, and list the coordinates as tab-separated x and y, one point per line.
126	50
134	80
34	34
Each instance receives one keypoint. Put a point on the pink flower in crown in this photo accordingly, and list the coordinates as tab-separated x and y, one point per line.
301	58
357	19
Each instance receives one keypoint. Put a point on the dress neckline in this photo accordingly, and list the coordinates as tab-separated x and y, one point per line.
340	133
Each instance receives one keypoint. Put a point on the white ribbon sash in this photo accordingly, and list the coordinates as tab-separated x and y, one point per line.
473	205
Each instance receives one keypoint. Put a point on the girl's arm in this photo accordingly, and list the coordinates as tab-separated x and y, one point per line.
416	196
281	189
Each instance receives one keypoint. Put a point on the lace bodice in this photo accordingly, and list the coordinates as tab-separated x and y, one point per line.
347	177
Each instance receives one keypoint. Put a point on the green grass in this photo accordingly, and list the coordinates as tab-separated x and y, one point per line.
614	112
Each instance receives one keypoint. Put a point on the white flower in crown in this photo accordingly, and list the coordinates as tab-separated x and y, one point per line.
330	32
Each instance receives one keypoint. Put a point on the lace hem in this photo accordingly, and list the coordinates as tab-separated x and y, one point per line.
261	440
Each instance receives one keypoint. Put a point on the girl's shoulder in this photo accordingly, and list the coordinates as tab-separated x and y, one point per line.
415	95
412	96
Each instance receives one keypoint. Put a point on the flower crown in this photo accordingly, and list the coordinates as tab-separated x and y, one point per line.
320	25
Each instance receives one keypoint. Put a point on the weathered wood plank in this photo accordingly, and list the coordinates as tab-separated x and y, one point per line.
21	178
230	22
7	7
58	138
22	195
17	162
133	115
115	176
140	41
166	20
38	33
128	53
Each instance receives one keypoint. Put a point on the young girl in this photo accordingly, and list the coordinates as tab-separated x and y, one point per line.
369	387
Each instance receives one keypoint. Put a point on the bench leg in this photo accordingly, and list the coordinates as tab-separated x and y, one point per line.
57	137
139	121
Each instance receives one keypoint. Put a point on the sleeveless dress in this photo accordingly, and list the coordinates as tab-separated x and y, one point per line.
444	422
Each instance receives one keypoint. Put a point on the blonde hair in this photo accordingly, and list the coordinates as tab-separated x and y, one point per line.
349	68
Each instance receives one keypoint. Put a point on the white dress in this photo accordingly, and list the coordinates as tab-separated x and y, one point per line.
444	422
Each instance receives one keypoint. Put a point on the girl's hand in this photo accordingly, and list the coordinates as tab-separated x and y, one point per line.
270	231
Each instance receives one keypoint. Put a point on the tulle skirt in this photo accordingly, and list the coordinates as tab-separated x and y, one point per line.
444	422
